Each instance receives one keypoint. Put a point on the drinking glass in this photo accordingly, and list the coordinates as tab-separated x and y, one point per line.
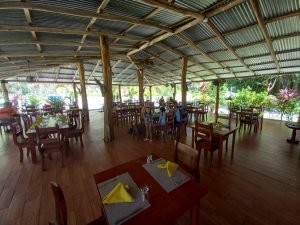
145	193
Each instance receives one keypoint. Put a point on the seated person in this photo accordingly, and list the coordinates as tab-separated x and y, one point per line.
7	113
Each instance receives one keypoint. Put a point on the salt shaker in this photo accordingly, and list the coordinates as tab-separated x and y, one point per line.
149	159
145	193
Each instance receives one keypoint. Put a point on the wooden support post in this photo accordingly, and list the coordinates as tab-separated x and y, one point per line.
75	94
140	75
174	91
183	81
217	102
4	91
107	79
120	94
150	90
85	106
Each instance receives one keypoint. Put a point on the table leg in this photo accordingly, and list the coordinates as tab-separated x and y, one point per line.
220	152
32	148
195	214
67	145
293	138
232	144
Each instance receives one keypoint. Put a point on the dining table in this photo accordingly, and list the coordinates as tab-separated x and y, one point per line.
294	126
164	206
220	134
47	122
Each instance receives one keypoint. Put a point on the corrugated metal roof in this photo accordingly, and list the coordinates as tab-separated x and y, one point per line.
169	56
237	17
237	69
256	60
244	74
234	63
13	17
200	58
14	36
264	72
188	50
287	26
128	8
90	5
57	48
154	49
174	41
143	31
165	17
110	26
224	76
274	8
195	68
211	65
17	48
253	50
290	63
196	4
49	19
198	32
57	37
223	55
244	37
211	45
290	70
264	66
289	55
286	44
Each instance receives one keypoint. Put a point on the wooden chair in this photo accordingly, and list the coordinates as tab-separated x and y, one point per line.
51	144
170	124
187	157
61	208
247	118
78	128
204	139
258	113
19	139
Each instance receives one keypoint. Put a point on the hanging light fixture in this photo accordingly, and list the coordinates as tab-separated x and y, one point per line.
29	78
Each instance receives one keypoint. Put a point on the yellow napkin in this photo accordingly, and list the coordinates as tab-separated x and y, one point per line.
118	194
171	167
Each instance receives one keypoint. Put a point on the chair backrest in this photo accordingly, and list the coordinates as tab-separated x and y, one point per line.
60	204
204	133
246	114
27	121
53	135
74	117
17	131
257	109
170	118
187	158
227	118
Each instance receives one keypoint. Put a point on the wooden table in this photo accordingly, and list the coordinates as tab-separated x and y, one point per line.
295	126
165	207
31	133
220	135
260	118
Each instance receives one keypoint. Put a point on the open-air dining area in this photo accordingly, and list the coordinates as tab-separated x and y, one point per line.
149	112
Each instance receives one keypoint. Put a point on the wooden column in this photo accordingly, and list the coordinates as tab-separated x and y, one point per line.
217	101
75	94
174	91
150	90
4	91
183	81
120	93
85	106
140	75
107	79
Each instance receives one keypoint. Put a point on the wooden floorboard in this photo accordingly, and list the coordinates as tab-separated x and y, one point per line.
259	186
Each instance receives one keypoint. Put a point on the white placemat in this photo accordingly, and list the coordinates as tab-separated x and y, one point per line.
118	213
161	176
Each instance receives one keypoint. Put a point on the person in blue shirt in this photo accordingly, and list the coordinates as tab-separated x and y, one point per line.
148	120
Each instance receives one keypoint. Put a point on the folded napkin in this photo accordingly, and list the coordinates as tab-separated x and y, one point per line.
118	194
171	167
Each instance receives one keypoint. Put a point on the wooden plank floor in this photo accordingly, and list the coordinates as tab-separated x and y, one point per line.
260	186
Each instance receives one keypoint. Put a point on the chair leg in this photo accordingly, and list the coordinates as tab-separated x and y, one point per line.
81	140
21	154
226	144
43	162
211	157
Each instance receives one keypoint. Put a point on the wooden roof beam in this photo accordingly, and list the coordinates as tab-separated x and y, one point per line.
66	31
57	73
263	28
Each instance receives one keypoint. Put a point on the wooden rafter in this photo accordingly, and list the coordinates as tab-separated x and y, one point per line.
57	73
94	70
263	28
223	41
29	22
66	31
123	71
62	53
202	53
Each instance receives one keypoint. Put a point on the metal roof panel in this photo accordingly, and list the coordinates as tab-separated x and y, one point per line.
251	35
283	27
275	8
253	50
